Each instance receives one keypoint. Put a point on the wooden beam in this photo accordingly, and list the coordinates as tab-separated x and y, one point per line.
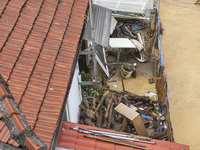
134	117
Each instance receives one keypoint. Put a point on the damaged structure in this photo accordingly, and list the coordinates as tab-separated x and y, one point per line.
80	61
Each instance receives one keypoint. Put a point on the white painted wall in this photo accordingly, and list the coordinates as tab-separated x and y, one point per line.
74	99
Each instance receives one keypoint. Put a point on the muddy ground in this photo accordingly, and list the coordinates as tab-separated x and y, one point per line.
181	46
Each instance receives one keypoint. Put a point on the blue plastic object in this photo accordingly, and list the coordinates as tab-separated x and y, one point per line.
137	26
145	116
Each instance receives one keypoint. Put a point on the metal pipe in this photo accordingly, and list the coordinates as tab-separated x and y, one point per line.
112	135
117	134
93	43
120	142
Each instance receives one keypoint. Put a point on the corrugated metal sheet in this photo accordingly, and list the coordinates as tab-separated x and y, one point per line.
136	6
102	24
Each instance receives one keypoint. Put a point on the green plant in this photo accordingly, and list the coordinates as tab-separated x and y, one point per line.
90	90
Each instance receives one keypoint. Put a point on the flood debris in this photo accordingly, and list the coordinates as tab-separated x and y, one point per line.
125	111
133	116
139	32
128	70
151	80
133	41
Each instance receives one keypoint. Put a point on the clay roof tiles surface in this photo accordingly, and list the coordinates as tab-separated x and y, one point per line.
73	139
38	43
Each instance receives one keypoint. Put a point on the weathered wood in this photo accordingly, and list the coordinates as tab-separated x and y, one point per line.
82	107
82	114
89	114
125	100
94	104
115	99
134	117
110	115
138	104
102	100
120	99
124	124
126	111
108	107
105	123
132	96
114	91
89	122
86	103
139	126
122	80
117	126
99	120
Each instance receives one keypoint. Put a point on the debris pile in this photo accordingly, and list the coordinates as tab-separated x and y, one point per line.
125	111
139	32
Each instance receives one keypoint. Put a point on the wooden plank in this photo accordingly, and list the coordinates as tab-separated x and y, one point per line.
126	111
124	124
139	126
134	117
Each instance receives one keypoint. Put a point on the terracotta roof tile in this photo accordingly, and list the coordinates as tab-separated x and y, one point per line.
36	39
2	6
68	145
103	145
120	147
69	138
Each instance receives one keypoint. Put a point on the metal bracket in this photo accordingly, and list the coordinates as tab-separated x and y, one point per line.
88	83
86	53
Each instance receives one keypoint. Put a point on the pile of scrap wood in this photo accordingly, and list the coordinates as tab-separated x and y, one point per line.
124	111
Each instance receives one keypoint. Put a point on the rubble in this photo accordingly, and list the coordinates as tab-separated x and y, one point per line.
101	113
137	40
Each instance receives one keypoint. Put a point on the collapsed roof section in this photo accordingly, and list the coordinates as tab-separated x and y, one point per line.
15	121
38	46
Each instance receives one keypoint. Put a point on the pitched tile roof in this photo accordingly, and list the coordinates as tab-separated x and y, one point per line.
38	43
14	124
73	139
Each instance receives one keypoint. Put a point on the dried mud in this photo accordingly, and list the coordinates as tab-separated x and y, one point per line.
181	46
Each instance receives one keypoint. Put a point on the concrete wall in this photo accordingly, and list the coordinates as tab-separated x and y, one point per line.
74	99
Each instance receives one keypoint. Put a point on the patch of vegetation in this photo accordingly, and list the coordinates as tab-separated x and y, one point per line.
90	90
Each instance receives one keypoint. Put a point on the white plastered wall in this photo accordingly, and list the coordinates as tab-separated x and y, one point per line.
74	99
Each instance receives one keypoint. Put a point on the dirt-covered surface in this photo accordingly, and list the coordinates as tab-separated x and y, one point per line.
139	85
181	46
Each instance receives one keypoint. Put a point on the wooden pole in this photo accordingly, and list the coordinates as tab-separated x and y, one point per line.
102	100
122	80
